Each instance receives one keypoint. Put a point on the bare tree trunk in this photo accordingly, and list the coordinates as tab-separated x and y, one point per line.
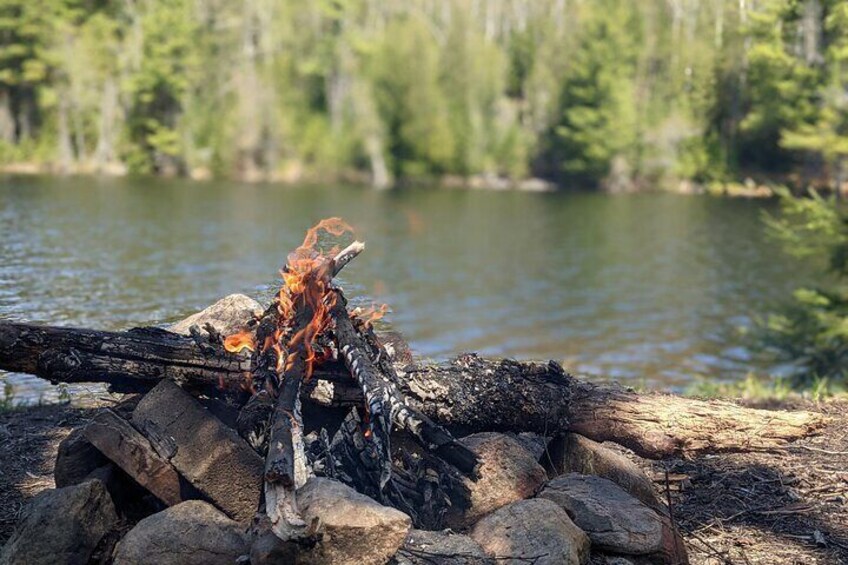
7	120
381	178
811	31
249	93
25	114
104	152
65	150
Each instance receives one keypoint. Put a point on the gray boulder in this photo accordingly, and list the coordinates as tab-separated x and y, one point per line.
229	315
189	533
75	459
508	473
532	531
62	526
573	453
355	528
614	520
446	548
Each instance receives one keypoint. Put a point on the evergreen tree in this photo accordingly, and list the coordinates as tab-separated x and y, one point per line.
596	114
812	332
826	134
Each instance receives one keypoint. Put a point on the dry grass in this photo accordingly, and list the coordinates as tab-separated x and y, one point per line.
29	438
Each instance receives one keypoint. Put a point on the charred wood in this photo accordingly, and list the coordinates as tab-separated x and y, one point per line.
468	394
132	452
386	406
131	361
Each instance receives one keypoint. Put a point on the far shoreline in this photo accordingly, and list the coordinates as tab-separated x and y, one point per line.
746	187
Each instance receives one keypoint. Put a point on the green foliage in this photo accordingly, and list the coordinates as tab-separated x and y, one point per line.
812	331
812	227
596	123
600	93
825	132
754	387
406	85
751	387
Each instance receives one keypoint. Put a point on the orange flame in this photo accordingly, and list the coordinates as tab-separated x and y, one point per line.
306	288
371	315
307	278
237	342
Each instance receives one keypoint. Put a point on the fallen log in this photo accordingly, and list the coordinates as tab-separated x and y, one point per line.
468	394
131	361
477	394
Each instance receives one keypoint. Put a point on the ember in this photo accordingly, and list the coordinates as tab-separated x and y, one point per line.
237	342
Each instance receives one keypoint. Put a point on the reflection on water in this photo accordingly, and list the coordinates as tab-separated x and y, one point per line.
643	288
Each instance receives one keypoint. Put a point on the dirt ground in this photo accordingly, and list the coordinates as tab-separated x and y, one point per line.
788	507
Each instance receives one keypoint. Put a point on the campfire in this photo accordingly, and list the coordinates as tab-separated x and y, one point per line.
306	435
307	324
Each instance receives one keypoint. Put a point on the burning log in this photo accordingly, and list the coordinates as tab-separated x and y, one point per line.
381	395
467	394
290	339
287	332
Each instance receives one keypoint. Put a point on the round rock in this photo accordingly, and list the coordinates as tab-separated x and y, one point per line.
190	533
573	453
614	520
62	526
356	529
228	316
532	531
508	473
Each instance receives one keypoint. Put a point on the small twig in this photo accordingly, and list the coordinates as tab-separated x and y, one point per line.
722	555
819	450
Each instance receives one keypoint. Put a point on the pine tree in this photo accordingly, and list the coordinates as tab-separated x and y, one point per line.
596	122
826	133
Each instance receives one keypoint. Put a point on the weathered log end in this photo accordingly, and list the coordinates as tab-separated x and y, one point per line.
658	426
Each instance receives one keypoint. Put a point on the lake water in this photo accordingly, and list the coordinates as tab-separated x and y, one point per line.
647	289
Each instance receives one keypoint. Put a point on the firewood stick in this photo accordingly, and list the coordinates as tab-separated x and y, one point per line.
379	403
427	433
286	468
346	255
386	405
285	464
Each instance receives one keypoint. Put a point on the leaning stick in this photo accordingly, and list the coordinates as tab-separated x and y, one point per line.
385	404
285	463
426	432
347	255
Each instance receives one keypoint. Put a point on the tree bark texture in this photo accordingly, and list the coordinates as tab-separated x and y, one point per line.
466	395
